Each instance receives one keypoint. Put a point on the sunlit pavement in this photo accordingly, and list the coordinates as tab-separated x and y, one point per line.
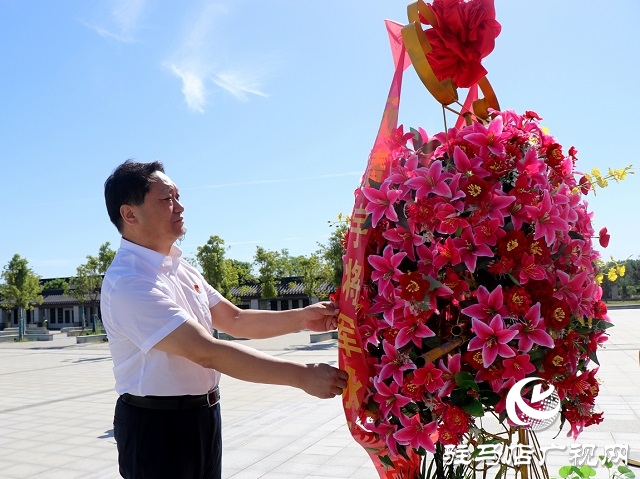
57	399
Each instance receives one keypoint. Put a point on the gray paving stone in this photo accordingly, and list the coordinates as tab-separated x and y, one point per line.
57	404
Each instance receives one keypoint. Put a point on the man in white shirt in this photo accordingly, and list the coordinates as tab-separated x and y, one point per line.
159	314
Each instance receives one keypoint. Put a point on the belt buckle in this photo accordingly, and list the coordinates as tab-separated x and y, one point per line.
213	397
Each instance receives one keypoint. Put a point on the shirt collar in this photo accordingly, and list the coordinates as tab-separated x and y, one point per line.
153	258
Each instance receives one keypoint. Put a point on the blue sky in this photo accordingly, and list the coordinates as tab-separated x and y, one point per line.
264	112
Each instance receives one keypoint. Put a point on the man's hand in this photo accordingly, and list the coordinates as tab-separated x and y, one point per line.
324	381
321	316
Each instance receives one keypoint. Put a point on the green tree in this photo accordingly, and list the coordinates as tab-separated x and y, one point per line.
215	269
243	271
221	272
85	286
21	288
56	283
334	250
268	270
315	273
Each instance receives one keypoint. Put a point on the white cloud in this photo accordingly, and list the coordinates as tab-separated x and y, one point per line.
199	60
122	22
239	85
192	88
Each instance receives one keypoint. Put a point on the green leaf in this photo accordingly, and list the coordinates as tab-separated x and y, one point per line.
434	283
513	278
575	235
465	380
566	471
626	472
460	398
489	398
417	139
475	409
386	460
602	324
594	357
587	471
402	218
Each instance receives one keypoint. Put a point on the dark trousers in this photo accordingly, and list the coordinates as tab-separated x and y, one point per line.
176	444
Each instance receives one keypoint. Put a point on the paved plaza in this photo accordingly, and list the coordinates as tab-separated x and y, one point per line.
57	399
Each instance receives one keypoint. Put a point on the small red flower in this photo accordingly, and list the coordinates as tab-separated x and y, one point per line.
513	244
554	155
585	185
413	287
474	358
518	300
456	420
410	389
556	314
604	237
600	309
476	190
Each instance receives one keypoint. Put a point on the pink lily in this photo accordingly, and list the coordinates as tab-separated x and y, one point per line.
381	202
492	338
492	137
488	232
489	304
470	249
530	270
429	376
571	288
468	166
531	330
449	372
386	267
412	328
404	240
447	254
450	220
431	180
416	434
389	305
394	363
546	219
389	398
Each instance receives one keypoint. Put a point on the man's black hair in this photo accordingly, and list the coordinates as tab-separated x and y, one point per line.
128	185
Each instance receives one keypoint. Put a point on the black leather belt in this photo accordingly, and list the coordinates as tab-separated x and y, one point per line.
167	403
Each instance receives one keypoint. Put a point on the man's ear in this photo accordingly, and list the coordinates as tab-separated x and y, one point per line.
128	214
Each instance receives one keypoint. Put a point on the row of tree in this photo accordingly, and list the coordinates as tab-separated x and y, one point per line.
319	268
21	288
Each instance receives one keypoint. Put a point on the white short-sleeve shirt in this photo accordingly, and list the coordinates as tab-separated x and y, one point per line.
145	296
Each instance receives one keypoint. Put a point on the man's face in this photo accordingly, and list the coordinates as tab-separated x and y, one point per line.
160	216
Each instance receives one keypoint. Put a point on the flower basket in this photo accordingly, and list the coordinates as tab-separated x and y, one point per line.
470	267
